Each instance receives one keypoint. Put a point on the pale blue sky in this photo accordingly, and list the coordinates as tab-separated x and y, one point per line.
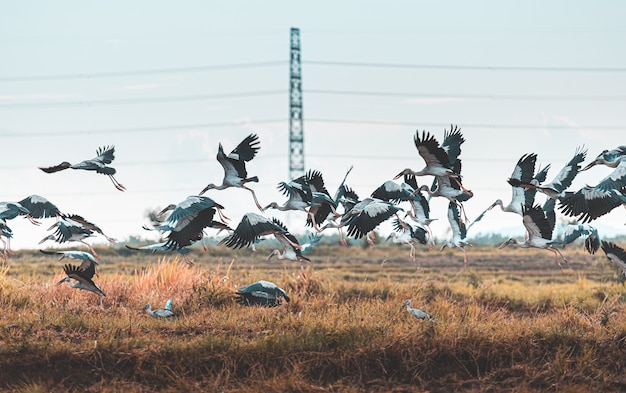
166	150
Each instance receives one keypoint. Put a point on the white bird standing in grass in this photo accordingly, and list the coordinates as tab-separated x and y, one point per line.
417	313
164	313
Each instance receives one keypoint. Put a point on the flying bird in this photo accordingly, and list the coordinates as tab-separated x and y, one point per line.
40	207
523	173
186	223
459	231
234	164
436	158
410	236
164	313
82	276
290	252
74	228
99	164
6	234
557	187
539	229
263	293
74	254
616	254
417	313
591	243
591	202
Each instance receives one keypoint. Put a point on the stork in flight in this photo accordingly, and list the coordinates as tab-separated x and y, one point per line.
459	231
83	277
263	293
307	194
557	187
186	222
391	191
291	253
409	236
74	254
5	233
591	243
435	157
616	254
524	173
99	164
591	202
252	226
74	228
8	211
539	229
234	164
40	207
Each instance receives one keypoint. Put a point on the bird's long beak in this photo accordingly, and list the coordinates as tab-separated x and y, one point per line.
443	246
506	243
591	164
399	175
62	281
44	239
388	237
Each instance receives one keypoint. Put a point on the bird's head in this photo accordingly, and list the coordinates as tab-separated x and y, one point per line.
49	237
272	205
401	174
207	188
65	279
166	209
407	303
147	307
593	163
506	243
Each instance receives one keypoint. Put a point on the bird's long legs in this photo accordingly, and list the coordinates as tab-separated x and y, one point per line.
558	254
117	184
256	201
95	254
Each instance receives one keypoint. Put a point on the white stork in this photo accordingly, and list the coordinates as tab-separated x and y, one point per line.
292	253
74	228
74	254
40	207
557	187
264	293
459	232
435	157
234	164
82	276
187	220
610	158
539	229
99	164
164	313
410	236
589	202
616	254
417	313
591	243
524	172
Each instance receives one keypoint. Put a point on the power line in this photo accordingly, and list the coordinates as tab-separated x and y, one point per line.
465	67
412	124
145	100
114	74
522	97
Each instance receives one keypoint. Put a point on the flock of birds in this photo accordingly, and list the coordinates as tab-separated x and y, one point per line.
345	210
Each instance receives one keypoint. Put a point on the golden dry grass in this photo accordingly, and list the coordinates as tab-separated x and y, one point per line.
511	322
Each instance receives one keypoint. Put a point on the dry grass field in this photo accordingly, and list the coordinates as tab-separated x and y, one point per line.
512	321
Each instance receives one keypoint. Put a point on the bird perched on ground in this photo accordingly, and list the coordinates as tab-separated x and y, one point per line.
459	232
164	313
263	293
410	236
82	276
417	313
186	223
616	254
99	164
539	230
234	164
574	231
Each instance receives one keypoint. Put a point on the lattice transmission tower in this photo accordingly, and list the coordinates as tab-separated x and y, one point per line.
296	130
